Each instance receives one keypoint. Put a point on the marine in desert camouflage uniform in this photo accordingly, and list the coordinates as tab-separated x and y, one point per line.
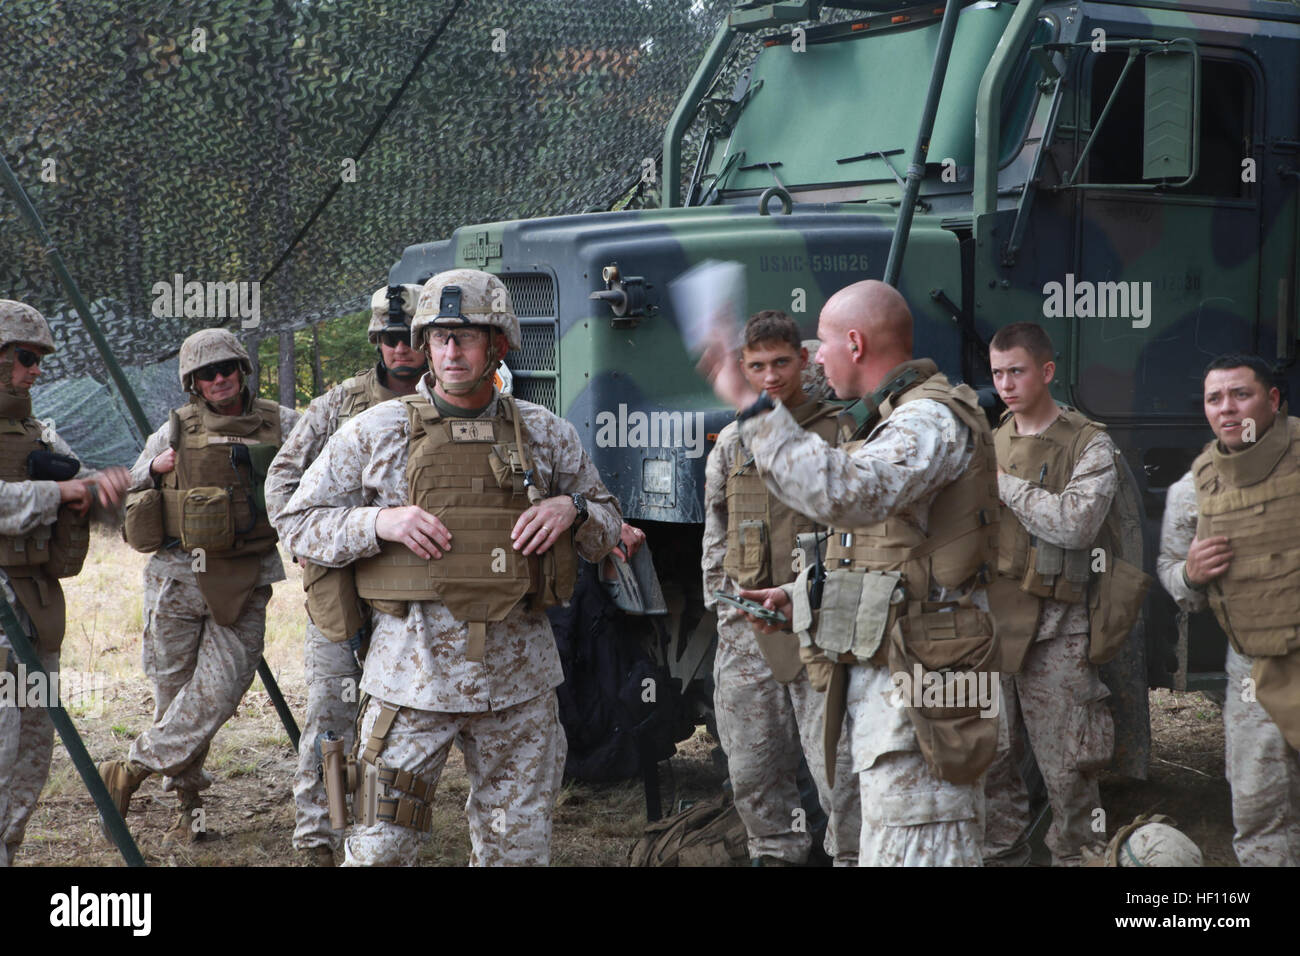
205	614
768	721
1056	691
910	816
1263	769
433	678
28	510
332	667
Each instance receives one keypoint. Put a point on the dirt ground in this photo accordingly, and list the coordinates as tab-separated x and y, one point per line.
250	806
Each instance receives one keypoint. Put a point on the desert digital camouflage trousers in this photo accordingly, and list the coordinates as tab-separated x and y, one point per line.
200	671
26	745
910	817
765	727
333	679
1062	702
1264	774
514	759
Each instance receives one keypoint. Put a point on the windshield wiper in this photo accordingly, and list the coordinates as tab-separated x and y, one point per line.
878	154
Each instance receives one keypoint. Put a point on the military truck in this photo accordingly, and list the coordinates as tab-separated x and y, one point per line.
1114	170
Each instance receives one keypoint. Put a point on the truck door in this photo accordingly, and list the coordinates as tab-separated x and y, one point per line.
1186	257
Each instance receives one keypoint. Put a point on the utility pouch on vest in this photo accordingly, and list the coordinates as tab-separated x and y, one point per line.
206	520
1116	604
260	457
507	466
782	652
42	599
967	510
1015	618
1045	563
30	549
143	528
754	564
558	573
819	668
857	610
1056	573
69	544
1277	688
803	621
953	656
332	600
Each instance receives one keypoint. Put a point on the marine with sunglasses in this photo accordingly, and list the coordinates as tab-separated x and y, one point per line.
337	619
462	509
43	537
196	506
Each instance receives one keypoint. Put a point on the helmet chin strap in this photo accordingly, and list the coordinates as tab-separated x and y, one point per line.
15	402
465	388
403	371
245	397
7	375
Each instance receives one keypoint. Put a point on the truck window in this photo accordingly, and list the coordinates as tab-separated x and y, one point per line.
1225	126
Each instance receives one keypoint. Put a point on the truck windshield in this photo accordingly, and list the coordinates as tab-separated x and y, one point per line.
844	112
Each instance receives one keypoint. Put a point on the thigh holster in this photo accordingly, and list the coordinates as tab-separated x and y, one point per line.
386	795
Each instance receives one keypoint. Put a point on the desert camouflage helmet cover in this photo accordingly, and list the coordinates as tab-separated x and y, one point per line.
206	347
813	379
1152	841
19	322
465	297
379	309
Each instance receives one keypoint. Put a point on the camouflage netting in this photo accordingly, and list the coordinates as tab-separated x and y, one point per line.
217	140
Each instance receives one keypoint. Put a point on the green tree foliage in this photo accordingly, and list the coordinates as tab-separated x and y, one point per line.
343	347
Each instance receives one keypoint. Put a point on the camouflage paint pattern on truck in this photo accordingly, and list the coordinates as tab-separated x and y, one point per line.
1147	224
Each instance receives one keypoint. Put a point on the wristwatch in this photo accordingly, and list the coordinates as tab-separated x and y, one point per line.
580	503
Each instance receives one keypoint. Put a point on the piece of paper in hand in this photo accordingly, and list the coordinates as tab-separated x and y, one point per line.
709	301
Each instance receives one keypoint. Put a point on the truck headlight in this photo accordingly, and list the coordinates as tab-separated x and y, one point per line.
657	476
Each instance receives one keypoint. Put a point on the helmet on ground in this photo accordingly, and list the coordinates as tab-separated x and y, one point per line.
1152	841
207	347
465	297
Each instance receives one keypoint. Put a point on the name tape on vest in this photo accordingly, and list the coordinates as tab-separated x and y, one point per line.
232	440
472	431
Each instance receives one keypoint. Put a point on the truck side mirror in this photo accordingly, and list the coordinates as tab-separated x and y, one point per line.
1170	145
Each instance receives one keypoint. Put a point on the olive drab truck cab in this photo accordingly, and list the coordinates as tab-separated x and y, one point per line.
1124	174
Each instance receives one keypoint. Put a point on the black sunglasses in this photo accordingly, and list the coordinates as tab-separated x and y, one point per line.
27	358
209	372
394	339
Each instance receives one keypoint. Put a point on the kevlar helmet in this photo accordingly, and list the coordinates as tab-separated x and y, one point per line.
465	297
1152	841
207	347
19	322
383	318
814	381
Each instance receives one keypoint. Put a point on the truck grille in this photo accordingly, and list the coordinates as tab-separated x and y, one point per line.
534	365
538	353
533	294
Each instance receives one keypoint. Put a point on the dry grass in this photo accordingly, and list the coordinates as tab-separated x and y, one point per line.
249	810
250	807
